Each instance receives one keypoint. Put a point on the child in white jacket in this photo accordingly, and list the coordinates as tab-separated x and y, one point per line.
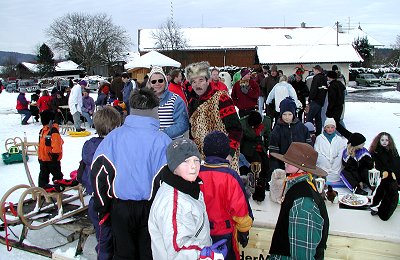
330	147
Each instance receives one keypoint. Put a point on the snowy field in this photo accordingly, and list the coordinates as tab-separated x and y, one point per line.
368	118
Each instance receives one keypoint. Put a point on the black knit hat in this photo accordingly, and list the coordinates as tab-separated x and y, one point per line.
288	105
254	118
179	150
331	74
356	139
216	143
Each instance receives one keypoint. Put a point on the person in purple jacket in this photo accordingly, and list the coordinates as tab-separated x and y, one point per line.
105	121
88	107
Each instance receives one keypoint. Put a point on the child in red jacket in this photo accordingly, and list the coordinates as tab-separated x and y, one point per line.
227	207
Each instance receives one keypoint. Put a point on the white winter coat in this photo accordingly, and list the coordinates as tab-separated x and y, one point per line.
75	100
281	91
178	225
330	155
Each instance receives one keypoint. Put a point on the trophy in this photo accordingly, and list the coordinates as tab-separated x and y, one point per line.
320	183
373	177
255	168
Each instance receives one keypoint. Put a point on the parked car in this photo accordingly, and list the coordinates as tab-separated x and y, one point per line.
367	79
93	85
390	79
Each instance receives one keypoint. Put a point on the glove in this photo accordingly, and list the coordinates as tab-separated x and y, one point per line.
215	251
243	238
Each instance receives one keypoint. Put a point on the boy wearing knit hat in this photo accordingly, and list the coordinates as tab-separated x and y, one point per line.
178	223
357	161
228	209
287	129
330	147
245	93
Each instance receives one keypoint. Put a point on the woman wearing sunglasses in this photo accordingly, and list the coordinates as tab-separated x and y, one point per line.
172	112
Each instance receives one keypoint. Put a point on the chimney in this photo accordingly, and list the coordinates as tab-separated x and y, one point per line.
303	25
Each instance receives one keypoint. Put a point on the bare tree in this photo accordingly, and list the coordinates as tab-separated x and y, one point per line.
10	66
89	39
169	37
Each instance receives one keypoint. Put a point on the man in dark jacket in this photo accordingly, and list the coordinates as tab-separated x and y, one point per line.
318	90
267	85
336	102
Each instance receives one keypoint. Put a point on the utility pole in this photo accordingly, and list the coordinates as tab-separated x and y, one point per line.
337	33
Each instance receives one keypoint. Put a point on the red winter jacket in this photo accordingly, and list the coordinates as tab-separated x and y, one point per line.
177	89
219	85
44	103
245	101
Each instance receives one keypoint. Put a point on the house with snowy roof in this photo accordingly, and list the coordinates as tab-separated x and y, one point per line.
286	47
67	69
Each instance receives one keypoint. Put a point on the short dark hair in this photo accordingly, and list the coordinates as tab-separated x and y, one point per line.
214	69
125	75
143	99
174	73
105	120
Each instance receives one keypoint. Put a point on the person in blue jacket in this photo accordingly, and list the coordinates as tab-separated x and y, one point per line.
123	171
105	121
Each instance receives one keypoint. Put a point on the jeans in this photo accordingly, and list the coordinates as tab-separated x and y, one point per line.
315	113
88	118
27	114
77	120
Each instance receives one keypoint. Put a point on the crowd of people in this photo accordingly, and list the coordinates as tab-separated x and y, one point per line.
179	189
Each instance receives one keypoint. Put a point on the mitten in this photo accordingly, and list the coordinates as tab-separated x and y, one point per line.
217	251
243	238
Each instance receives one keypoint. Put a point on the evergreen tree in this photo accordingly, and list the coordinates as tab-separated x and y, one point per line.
365	50
45	60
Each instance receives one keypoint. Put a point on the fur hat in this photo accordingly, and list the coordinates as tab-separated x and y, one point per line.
199	69
356	139
254	118
216	143
159	70
331	74
329	121
310	127
302	156
244	72
83	82
288	105
179	150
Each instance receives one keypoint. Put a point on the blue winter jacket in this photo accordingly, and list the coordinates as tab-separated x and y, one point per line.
180	115
127	161
88	150
126	92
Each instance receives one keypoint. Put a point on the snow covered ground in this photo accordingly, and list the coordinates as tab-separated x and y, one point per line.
368	118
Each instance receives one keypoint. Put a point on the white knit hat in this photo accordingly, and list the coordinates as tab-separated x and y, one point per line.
329	121
158	70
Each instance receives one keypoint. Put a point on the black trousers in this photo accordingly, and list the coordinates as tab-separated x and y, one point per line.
47	168
130	229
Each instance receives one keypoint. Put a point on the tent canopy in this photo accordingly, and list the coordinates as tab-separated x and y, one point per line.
152	58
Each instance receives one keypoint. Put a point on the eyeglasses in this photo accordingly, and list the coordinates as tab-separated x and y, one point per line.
154	81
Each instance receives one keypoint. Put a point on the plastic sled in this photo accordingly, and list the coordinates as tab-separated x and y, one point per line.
79	134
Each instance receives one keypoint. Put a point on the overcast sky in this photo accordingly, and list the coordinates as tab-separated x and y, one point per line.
23	22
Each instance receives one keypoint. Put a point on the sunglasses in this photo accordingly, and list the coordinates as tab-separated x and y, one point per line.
154	81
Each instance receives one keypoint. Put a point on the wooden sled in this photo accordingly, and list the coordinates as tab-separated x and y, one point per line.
31	148
37	208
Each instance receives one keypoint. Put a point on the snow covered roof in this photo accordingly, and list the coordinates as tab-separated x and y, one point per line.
67	65
307	54
152	58
30	66
248	38
359	33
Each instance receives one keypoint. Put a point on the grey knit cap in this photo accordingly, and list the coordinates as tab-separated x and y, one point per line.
179	150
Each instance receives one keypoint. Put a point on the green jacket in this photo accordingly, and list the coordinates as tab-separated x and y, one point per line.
250	141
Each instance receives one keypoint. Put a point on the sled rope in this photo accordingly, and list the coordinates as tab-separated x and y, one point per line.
14	213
